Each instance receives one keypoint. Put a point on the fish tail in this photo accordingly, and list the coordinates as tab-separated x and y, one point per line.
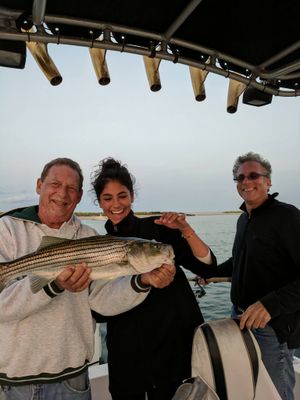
3	266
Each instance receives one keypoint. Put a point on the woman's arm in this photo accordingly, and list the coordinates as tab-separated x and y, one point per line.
178	221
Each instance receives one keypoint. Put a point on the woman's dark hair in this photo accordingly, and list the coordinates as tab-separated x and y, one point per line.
108	170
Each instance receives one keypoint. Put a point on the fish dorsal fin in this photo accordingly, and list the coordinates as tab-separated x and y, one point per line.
50	241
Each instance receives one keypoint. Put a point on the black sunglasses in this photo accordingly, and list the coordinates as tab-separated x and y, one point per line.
251	177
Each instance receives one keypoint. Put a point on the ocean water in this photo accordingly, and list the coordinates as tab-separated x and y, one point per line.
218	232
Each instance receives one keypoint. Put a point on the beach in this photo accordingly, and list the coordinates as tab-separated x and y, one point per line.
98	217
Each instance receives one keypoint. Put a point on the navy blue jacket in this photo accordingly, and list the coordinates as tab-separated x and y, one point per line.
265	265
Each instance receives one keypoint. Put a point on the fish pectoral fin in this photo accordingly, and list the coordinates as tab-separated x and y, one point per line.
50	241
37	282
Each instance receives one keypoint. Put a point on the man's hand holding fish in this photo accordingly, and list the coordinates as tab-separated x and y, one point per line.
74	278
159	277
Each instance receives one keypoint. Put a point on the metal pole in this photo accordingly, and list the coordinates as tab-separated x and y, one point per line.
38	11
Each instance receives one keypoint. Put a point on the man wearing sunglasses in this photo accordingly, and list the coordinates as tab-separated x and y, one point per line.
265	270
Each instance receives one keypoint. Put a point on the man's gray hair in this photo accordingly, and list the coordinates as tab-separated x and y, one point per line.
63	161
252	157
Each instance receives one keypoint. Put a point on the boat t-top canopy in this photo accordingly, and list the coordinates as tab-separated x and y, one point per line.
255	44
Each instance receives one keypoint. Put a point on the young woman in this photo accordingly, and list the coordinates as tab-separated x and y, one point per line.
149	347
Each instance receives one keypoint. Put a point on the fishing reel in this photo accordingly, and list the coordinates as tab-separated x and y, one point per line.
197	288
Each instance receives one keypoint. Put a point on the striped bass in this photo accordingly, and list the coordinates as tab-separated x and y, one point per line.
108	257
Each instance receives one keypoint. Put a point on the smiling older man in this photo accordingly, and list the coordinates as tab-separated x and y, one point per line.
47	338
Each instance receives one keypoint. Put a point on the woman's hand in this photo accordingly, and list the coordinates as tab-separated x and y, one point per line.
159	277
178	221
174	220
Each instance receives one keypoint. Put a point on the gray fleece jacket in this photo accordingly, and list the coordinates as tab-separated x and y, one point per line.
49	336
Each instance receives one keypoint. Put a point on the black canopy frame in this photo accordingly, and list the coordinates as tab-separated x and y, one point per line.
256	43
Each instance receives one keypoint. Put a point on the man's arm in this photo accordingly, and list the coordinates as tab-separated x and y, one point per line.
18	302
115	296
122	294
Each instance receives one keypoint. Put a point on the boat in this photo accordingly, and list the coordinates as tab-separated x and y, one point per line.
255	46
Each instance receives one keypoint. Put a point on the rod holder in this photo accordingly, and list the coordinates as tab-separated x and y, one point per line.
198	77
98	57
39	52
235	89
38	11
152	71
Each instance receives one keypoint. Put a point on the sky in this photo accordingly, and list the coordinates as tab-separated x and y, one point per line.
180	151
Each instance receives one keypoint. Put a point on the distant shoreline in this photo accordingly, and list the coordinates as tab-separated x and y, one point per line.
100	217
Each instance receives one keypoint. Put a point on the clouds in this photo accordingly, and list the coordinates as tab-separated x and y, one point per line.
10	200
180	151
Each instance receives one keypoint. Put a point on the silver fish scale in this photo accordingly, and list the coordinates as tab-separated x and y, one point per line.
96	251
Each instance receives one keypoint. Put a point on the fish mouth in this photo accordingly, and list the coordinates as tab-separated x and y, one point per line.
171	255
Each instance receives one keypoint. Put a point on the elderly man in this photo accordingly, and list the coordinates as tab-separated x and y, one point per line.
47	338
